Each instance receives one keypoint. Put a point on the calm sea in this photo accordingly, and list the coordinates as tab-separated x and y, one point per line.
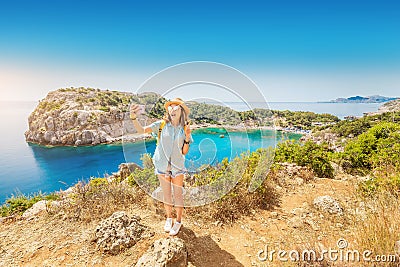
31	168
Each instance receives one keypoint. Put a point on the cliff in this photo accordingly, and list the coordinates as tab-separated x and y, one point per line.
390	106
84	116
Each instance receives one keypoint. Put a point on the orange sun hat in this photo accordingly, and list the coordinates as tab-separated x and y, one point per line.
177	101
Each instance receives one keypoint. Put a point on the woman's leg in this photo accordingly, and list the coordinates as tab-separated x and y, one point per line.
165	182
177	183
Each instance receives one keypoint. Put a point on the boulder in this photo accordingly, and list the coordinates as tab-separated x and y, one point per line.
170	251
118	232
327	204
35	209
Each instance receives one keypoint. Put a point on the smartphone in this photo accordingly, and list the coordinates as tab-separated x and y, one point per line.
142	109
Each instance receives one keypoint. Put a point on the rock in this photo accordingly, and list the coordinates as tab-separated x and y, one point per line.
171	252
87	137
299	211
118	232
295	222
313	224
124	170
292	175
337	169
49	124
299	181
35	209
327	204
274	214
391	106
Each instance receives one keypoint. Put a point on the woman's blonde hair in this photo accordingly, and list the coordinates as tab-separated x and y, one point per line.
182	120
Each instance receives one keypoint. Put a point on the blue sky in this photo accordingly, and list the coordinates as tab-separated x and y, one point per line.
293	50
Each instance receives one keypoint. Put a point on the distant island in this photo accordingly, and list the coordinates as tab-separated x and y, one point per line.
361	99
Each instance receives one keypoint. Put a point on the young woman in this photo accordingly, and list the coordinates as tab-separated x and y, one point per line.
174	136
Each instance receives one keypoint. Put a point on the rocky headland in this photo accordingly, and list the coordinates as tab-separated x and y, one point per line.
391	106
84	116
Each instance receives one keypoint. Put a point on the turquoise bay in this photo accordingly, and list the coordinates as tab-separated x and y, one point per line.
29	168
54	168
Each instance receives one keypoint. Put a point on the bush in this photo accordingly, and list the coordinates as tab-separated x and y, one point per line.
239	201
99	199
316	157
17	205
379	145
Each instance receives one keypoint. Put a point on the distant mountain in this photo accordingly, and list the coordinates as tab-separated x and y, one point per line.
367	99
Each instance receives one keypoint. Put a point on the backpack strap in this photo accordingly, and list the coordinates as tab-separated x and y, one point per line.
163	122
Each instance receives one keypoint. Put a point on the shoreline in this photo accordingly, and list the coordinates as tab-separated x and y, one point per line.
134	137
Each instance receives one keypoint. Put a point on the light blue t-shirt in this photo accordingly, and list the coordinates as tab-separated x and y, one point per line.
169	147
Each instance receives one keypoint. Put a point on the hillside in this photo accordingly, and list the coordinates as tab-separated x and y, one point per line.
294	222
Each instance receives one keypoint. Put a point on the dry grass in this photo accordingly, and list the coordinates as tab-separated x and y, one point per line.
381	229
239	202
100	199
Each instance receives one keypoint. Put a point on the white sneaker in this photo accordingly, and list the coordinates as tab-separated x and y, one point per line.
175	228
168	225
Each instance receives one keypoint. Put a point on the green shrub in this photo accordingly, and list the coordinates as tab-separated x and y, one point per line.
98	182
147	161
316	157
145	177
19	203
379	145
378	184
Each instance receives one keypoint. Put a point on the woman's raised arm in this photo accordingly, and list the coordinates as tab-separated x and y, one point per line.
134	109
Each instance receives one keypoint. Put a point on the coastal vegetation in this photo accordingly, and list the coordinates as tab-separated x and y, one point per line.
19	203
354	127
309	154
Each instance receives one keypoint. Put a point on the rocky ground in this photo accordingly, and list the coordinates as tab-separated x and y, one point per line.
314	213
391	106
